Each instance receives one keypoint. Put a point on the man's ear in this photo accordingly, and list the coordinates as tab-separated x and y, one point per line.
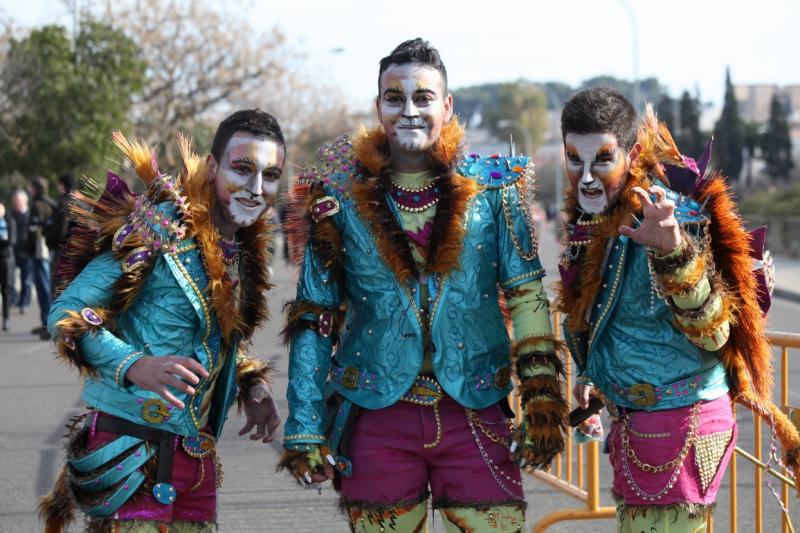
212	167
378	107
634	152
448	108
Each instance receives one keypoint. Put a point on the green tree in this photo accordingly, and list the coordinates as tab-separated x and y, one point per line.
520	105
728	144
776	144
666	111
751	136
64	97
689	139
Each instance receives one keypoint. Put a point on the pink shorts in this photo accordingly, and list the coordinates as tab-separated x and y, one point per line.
657	437
391	465
194	481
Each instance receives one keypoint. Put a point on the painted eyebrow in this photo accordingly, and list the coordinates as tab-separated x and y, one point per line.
392	90
424	90
243	159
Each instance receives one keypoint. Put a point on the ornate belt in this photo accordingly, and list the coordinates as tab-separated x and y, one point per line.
427	391
424	391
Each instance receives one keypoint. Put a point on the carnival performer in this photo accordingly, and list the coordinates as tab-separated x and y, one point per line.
663	312
160	295
408	249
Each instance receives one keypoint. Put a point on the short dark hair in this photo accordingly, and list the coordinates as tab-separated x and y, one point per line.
414	51
255	121
600	110
67	181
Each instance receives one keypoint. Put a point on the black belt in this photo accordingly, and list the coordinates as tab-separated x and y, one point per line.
163	491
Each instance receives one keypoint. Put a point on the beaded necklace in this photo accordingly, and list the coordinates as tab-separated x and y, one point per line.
415	200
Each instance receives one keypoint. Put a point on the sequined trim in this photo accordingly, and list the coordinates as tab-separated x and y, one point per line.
610	300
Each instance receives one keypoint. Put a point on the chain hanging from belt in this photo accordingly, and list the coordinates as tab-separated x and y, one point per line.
674	465
199	448
427	391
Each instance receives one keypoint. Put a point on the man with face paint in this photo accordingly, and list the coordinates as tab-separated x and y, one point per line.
159	295
408	246
662	312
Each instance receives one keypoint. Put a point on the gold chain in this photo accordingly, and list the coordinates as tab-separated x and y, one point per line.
677	461
438	418
494	437
510	224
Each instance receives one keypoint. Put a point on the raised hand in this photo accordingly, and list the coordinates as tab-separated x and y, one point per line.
156	373
261	412
660	229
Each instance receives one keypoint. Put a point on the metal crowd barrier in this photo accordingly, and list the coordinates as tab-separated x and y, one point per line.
576	471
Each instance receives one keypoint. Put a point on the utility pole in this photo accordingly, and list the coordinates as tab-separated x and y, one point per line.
637	97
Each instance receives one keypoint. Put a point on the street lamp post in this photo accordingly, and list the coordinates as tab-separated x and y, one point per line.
553	97
637	97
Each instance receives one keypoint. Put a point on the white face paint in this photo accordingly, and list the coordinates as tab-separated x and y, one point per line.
597	168
412	106
246	181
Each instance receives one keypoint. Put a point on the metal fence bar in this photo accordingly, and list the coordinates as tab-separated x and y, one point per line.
586	460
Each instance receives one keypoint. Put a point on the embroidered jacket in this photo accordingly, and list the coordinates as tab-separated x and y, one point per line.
635	350
357	258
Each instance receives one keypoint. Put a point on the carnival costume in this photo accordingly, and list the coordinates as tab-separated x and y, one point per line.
400	279
669	341
141	275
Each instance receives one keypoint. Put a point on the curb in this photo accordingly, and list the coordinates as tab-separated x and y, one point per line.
786	295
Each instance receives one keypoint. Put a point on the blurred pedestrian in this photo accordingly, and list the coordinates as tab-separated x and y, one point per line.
20	215
59	225
41	215
7	238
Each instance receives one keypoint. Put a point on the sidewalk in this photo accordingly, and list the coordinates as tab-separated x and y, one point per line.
787	278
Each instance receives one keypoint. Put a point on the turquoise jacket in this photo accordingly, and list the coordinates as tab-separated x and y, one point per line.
380	350
170	316
633	352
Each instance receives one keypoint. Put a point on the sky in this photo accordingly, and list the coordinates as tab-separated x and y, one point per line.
686	44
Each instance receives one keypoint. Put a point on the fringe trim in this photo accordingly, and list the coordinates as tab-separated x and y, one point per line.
57	510
248	372
709	328
482	506
693	510
747	355
295	323
696	265
73	327
295	463
546	414
668	265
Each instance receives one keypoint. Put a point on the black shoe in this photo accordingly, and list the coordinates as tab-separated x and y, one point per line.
45	335
38	330
5	325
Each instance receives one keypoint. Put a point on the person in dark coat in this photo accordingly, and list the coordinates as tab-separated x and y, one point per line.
7	239
42	209
20	215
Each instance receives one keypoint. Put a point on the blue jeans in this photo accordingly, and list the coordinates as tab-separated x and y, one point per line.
41	279
25	265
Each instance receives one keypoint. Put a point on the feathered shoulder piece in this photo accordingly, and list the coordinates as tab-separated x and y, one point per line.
134	227
747	355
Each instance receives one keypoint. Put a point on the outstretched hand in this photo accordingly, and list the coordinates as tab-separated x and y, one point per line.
261	412
660	229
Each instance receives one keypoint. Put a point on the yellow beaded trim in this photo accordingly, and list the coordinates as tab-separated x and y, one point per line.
610	299
119	366
301	437
527	275
206	334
